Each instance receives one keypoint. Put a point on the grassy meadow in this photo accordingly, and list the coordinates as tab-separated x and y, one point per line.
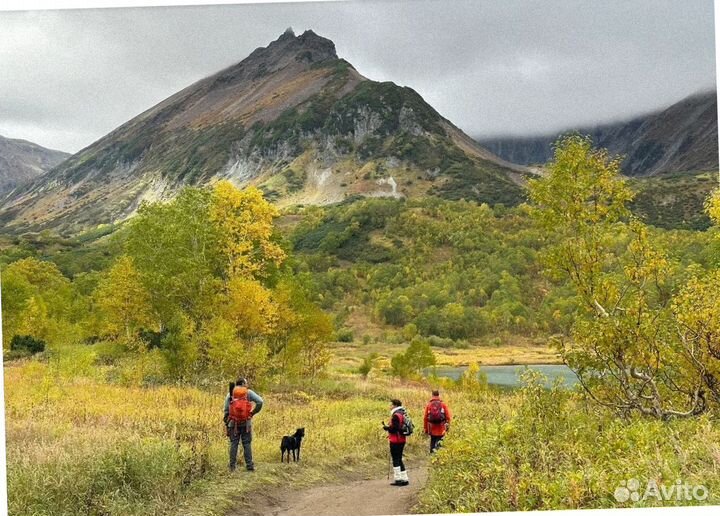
80	445
348	356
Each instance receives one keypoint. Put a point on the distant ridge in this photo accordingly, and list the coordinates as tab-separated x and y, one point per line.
22	161
683	137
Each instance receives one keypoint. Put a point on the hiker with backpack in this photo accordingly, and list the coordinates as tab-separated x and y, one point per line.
437	420
398	430
241	404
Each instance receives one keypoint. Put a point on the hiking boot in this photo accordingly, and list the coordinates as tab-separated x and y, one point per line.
397	474
403	483
251	468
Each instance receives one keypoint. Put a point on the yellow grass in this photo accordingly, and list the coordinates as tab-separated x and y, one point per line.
83	446
348	356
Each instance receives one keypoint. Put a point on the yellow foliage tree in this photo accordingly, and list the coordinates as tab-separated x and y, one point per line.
624	346
697	313
34	320
229	355
310	343
473	381
123	303
35	296
249	307
235	338
712	206
245	223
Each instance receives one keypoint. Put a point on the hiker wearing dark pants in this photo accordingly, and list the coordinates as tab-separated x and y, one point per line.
436	420
435	442
397	442
241	404
396	452
244	435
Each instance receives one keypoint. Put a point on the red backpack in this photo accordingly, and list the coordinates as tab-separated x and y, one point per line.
240	407
436	412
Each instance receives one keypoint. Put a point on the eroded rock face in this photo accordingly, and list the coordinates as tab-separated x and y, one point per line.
366	123
409	123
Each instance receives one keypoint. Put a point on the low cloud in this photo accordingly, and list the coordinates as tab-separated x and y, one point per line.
492	67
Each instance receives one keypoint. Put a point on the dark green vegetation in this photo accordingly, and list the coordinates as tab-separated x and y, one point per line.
455	270
184	154
328	114
25	345
433	267
674	201
93	250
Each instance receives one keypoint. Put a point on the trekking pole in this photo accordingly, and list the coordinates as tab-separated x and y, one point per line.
389	467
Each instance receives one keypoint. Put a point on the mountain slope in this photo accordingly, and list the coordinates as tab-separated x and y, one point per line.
683	137
21	161
291	118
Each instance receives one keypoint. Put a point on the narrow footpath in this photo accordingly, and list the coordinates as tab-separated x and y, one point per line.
356	498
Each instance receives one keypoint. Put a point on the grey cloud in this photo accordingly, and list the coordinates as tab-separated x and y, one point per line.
492	67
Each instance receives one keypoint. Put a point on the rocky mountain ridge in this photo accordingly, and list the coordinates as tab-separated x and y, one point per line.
293	119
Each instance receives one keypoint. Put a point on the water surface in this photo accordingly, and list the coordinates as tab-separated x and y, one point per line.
509	375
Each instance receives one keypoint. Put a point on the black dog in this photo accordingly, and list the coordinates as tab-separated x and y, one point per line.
291	443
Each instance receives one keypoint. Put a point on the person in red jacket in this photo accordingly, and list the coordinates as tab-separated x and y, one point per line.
437	420
397	442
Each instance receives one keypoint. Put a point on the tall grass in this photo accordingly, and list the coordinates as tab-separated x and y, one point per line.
538	449
78	445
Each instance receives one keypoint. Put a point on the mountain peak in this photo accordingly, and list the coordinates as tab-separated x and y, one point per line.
319	48
291	118
290	52
288	48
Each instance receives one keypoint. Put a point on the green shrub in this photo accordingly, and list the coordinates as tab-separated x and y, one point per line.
345	335
440	342
417	356
27	344
368	364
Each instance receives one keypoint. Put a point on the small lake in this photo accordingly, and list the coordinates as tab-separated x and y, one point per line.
509	375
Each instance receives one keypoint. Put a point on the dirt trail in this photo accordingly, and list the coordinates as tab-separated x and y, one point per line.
355	498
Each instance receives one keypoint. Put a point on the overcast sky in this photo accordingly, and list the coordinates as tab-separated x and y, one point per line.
491	66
